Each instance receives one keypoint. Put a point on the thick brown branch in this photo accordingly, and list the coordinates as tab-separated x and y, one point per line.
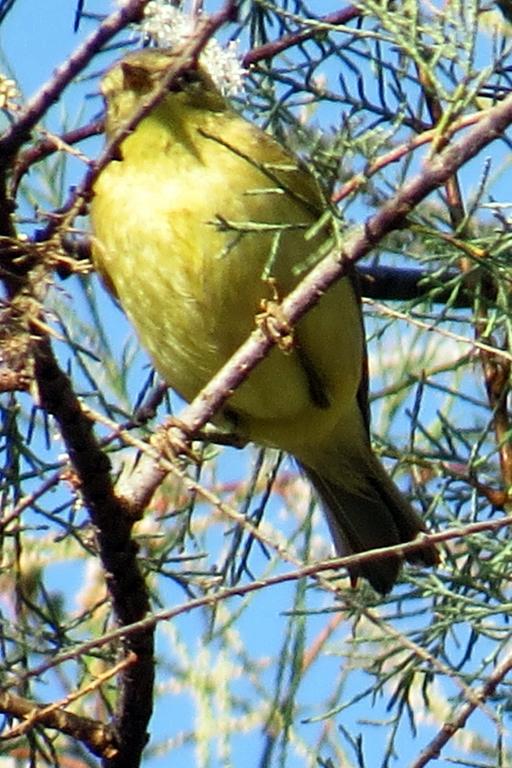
113	524
100	739
117	551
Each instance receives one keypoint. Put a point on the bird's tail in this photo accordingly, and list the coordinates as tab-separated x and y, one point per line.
365	510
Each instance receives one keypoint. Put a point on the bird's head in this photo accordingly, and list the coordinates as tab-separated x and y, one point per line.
137	77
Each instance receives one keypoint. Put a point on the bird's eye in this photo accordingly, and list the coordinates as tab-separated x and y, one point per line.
190	77
136	78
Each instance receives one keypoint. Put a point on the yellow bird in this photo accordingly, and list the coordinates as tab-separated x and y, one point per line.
200	219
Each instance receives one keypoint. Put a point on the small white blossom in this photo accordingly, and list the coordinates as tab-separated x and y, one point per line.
8	92
169	27
224	66
166	25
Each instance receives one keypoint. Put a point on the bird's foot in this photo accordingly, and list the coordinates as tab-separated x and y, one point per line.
272	322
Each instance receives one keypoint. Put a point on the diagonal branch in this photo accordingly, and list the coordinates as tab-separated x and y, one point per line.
17	133
393	215
100	739
450	727
313	570
335	19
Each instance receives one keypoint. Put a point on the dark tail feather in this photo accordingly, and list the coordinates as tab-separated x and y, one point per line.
372	513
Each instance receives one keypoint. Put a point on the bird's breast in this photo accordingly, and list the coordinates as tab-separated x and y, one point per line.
198	253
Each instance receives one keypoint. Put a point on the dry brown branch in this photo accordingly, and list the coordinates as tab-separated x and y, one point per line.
117	551
100	739
314	570
38	105
316	27
433	750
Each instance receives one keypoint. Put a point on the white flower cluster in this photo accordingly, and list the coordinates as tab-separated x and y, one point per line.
8	93
168	26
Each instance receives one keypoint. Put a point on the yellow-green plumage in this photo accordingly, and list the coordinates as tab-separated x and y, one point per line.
175	238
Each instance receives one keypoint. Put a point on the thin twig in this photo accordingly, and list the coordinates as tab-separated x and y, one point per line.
47	146
479	346
317	27
50	92
401	151
313	570
450	727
